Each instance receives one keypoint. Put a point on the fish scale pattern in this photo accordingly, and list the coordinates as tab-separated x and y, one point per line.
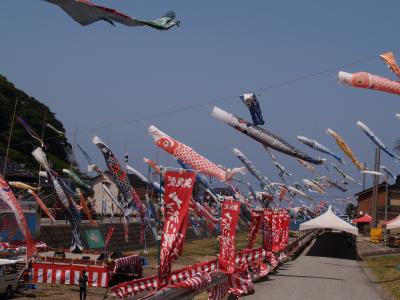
385	85
198	162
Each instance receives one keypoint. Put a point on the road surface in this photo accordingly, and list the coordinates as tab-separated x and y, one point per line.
325	271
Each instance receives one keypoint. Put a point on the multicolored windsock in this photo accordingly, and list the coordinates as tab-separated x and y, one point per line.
346	149
85	208
21	185
319	147
376	140
307	166
130	199
387	171
85	13
280	167
264	181
76	178
30	131
156	186
332	183
191	157
294	191
43	206
261	135
250	100
344	175
370	81
313	186
71	208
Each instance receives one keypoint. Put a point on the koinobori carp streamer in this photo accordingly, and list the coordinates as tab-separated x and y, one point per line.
264	181
190	157
376	140
319	147
131	199
85	13
374	82
262	136
73	213
346	149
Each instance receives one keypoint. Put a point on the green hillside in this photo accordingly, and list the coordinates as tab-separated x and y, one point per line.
36	114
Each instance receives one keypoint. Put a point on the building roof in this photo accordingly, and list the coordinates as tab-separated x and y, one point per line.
329	220
13	168
381	186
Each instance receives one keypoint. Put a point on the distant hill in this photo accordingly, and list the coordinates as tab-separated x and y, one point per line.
36	114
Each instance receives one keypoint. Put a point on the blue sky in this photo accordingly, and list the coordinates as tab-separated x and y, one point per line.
98	75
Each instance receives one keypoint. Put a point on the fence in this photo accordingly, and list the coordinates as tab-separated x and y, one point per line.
293	249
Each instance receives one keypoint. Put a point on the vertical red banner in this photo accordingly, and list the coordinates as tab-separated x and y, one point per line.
267	224
275	231
178	191
255	223
229	218
286	223
108	236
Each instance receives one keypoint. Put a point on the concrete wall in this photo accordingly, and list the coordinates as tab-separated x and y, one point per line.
59	236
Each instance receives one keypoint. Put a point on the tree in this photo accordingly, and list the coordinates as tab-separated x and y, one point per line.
351	210
36	114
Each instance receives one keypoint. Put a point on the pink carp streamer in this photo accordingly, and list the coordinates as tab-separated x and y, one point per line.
371	81
152	164
190	157
42	205
8	197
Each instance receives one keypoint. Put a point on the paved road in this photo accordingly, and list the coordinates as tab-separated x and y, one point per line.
317	275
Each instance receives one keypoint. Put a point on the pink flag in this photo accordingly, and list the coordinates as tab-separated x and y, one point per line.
229	214
178	190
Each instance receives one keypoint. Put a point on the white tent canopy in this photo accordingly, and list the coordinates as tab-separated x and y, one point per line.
329	220
393	224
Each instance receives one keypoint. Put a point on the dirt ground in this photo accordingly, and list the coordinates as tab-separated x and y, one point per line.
194	251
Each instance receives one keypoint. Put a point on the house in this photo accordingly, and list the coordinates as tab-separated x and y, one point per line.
16	172
99	194
364	200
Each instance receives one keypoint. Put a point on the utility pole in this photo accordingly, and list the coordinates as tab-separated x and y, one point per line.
375	188
365	164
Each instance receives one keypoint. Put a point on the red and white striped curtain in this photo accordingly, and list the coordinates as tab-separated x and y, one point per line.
69	274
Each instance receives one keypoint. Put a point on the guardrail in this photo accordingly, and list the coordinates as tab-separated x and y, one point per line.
293	249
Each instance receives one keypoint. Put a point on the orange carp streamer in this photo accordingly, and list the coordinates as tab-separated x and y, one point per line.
346	149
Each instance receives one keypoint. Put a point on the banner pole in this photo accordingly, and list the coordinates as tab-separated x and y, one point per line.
159	224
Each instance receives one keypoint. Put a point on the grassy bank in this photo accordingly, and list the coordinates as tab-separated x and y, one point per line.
386	272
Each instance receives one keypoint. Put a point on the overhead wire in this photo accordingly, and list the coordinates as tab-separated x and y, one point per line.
225	99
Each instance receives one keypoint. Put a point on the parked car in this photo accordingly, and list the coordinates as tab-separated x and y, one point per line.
8	277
